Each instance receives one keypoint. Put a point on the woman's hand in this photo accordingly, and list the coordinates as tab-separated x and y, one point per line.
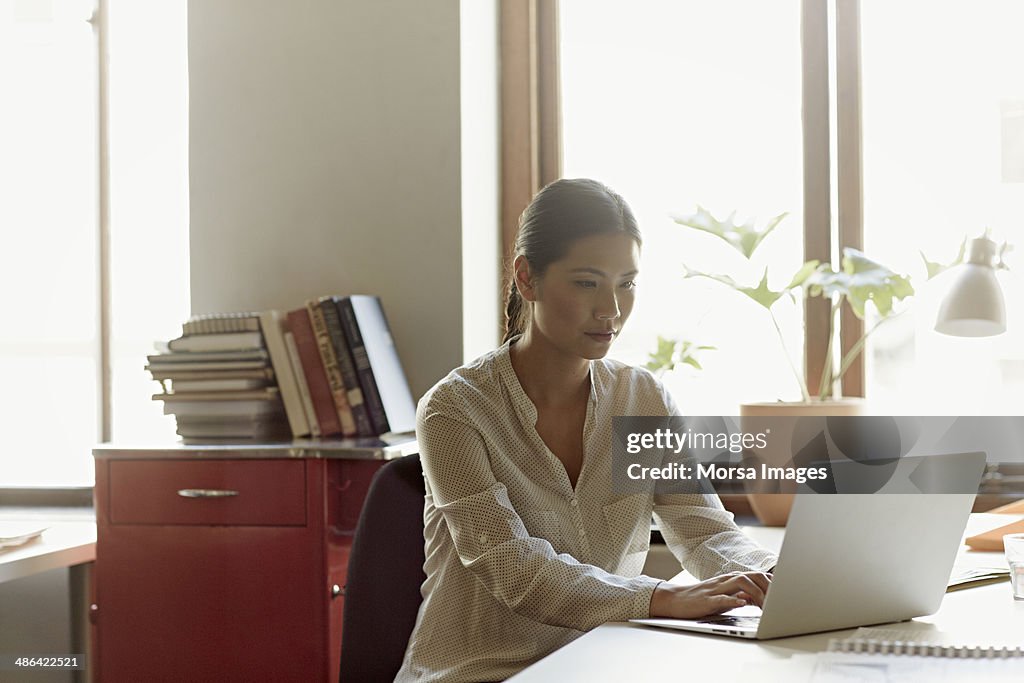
714	596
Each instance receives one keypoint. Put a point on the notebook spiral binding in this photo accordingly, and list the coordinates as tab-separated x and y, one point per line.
899	647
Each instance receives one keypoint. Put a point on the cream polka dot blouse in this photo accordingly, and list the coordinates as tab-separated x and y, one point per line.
518	563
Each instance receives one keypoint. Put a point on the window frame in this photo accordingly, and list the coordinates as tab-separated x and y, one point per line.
82	496
531	145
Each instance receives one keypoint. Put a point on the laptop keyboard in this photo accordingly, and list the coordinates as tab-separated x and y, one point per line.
725	620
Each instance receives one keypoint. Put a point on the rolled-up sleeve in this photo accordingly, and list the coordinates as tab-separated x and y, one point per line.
702	535
521	571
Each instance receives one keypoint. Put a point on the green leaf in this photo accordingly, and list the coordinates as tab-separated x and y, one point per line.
806	270
689	360
762	294
744	238
661	359
861	280
671	352
934	267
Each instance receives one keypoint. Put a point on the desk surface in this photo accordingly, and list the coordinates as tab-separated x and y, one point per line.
619	651
63	544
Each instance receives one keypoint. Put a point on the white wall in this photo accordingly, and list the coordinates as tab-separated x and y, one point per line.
483	310
325	158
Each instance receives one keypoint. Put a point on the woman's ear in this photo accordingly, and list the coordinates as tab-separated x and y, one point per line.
524	279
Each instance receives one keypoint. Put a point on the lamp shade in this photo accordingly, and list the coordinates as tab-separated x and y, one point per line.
974	305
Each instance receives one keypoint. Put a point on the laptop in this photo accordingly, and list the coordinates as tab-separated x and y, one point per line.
852	560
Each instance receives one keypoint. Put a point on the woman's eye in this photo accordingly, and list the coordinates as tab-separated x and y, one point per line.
630	284
586	284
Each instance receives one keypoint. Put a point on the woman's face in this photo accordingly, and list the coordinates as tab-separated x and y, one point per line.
582	301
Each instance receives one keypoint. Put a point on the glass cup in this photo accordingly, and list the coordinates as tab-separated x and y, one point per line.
1013	545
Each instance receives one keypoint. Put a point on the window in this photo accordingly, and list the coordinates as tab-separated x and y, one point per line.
938	167
59	279
675	104
679	103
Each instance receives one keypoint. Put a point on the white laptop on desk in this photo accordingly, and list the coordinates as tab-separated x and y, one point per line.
857	559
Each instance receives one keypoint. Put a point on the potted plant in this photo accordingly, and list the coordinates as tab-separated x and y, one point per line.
858	281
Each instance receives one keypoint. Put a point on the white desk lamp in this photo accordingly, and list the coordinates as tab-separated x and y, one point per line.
974	306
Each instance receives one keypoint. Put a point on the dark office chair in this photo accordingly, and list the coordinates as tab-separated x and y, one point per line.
385	572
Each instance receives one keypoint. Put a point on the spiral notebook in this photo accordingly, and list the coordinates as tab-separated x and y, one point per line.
911	649
904	655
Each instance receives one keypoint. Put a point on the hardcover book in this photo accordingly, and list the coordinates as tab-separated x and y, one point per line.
332	320
381	376
313	369
252	409
331	370
300	380
214	385
158	367
271	325
229	341
221	323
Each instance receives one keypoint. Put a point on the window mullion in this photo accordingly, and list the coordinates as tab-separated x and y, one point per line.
849	167
101	27
816	171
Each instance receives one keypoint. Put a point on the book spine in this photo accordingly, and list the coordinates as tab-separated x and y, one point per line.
264	394
234	341
332	319
331	370
313	369
300	380
362	362
273	336
216	323
259	373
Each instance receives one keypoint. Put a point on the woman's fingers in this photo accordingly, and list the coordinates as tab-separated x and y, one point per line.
753	585
712	596
724	603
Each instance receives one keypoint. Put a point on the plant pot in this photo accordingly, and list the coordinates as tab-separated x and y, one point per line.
772	509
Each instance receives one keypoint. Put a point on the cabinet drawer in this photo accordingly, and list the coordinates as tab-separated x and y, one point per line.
209	492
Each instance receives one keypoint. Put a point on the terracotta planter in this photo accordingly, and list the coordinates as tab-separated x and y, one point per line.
772	509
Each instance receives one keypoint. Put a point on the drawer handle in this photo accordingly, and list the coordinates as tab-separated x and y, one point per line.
206	493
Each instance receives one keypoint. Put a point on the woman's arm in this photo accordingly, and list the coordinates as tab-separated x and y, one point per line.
700	532
702	535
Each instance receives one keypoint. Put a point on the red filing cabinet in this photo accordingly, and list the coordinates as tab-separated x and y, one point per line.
225	563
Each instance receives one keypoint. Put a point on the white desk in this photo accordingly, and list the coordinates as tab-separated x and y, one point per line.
70	544
619	651
63	544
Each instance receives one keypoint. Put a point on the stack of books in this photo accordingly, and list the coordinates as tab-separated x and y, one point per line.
328	368
217	380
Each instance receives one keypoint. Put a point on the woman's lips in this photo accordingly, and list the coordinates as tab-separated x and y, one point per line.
605	337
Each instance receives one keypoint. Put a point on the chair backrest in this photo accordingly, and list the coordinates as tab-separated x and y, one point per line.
385	572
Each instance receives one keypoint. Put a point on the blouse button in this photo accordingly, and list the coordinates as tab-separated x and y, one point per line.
582	533
574	502
484	538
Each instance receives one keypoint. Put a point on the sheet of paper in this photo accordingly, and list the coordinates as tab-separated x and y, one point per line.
17	533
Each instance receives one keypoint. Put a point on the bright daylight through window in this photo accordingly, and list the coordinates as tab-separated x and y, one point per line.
50	290
679	104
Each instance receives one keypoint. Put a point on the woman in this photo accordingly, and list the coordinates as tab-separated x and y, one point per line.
527	545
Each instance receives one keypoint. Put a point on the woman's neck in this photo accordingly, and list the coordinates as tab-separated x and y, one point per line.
548	377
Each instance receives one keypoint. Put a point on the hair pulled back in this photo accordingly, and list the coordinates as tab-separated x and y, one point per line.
561	213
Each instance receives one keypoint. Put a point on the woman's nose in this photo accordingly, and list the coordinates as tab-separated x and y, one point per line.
608	307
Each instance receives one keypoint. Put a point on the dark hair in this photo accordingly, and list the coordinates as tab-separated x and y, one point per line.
561	213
